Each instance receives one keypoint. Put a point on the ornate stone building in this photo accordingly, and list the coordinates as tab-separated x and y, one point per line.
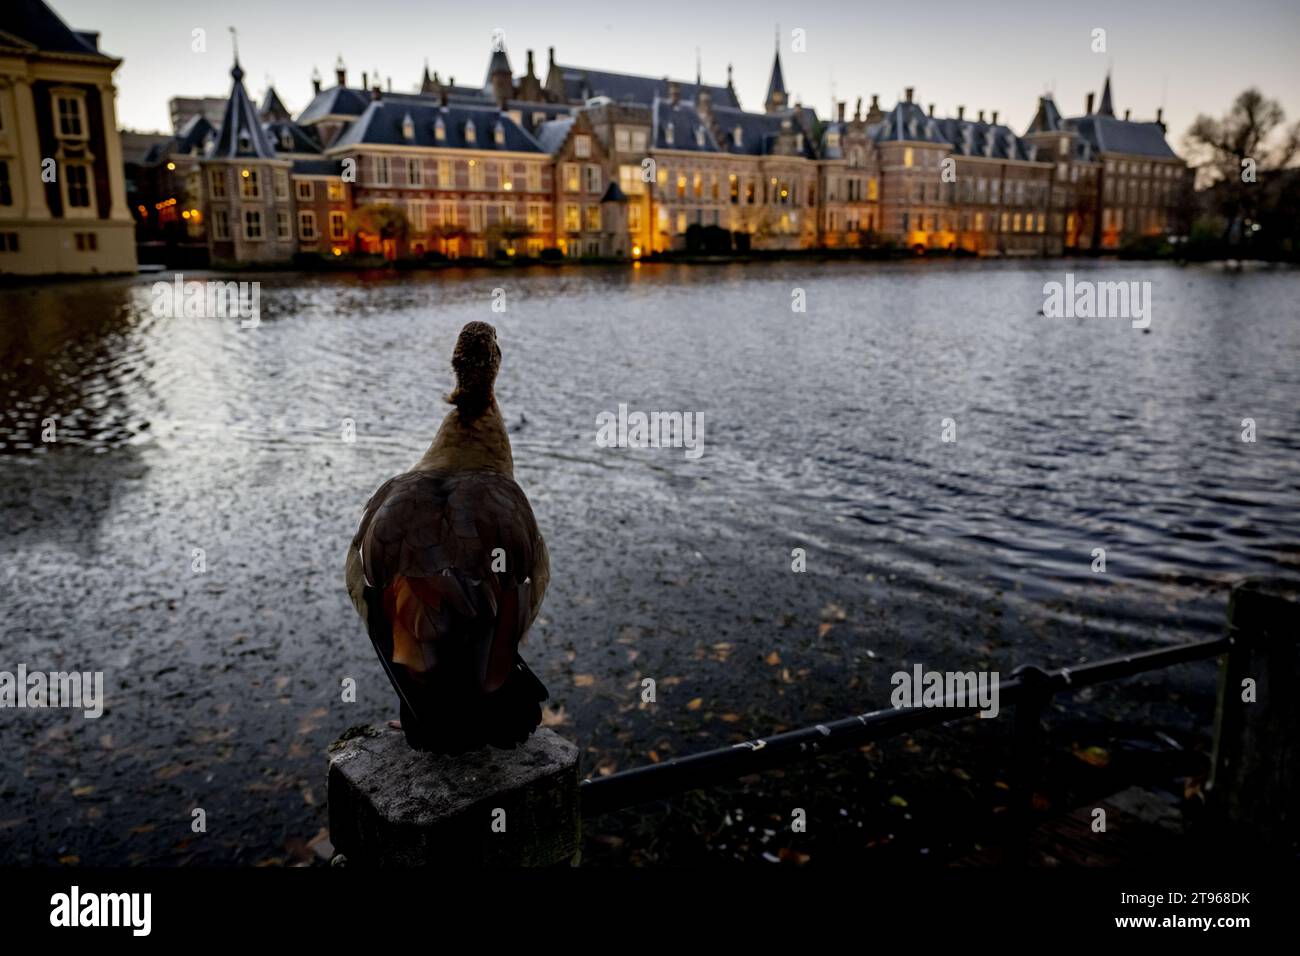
520	165
62	184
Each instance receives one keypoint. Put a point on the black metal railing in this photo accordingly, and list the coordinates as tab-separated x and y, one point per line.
1030	689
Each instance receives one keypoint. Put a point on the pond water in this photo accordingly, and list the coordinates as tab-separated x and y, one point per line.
822	430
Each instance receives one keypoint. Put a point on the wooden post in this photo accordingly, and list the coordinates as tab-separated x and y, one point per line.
392	806
1255	784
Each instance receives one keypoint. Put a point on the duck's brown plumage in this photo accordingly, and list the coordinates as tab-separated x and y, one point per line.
448	570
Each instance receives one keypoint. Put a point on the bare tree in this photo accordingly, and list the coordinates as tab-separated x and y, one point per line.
1235	154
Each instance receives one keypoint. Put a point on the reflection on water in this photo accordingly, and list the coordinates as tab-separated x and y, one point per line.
822	431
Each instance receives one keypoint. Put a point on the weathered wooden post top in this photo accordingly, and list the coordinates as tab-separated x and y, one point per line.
390	805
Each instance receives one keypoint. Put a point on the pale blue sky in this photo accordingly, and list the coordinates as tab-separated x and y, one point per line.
1190	55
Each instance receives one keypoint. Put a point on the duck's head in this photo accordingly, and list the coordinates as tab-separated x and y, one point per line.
476	360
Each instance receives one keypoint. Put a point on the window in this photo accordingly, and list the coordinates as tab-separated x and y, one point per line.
634	217
217	183
697	185
681	186
471	132
571	221
447	213
8	242
252	224
593	178
87	242
381	171
507	213
306	191
475	217
907	156
440	130
446	174
733	185
570	172
414	172
282	229
622	140
499	134
476	176
6	187
593	218
338	226
307	226
582	146
220	225
250	186
416	215
534	214
281	184
630	181
668	134
533	172
77	179
70	113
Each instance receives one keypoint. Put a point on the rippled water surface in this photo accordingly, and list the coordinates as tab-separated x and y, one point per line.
822	431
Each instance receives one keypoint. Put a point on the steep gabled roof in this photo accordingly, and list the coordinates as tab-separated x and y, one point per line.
34	22
384	120
907	122
242	134
288	137
335	101
689	131
1106	134
581	84
1047	119
272	108
760	132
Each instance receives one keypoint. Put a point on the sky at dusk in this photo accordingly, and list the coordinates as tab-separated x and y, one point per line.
1189	56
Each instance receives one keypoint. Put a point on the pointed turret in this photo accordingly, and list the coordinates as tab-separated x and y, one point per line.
428	84
500	79
776	86
1107	108
241	129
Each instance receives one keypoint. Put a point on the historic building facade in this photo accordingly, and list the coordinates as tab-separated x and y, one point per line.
62	184
596	163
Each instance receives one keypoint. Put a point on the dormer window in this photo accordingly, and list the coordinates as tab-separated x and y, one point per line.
408	128
245	141
499	134
699	136
440	131
286	140
668	133
833	139
737	136
798	142
471	134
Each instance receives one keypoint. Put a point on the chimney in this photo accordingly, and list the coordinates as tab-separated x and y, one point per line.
365	79
390	84
451	81
315	79
961	112
376	93
530	62
930	111
981	116
1160	117
1091	97
908	94
550	57
857	110
728	76
840	107
442	95
674	92
1126	112
994	119
341	73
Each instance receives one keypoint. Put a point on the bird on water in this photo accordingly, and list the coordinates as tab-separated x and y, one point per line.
448	571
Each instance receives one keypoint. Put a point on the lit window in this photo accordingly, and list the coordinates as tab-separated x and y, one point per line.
250	184
907	156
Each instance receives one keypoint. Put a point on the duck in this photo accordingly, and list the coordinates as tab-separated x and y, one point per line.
448	570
